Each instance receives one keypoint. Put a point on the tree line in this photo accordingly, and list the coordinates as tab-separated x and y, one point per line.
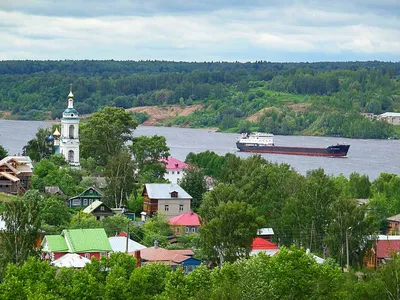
229	92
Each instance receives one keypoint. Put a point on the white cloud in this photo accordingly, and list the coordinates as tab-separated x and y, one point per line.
224	34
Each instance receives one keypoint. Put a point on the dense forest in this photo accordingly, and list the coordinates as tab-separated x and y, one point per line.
323	98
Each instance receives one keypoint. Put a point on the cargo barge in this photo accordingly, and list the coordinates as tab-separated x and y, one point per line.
264	143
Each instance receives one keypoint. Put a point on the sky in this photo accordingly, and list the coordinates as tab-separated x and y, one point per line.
194	30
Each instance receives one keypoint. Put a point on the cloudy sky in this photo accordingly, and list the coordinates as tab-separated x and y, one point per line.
207	30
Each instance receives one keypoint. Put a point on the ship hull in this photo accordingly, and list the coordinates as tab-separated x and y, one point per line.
334	151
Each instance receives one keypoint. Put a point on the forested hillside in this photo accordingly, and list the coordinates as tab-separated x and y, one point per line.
323	98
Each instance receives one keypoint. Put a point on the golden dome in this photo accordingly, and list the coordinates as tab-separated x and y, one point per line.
56	133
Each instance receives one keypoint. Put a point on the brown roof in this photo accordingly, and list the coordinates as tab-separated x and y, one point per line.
165	256
9	176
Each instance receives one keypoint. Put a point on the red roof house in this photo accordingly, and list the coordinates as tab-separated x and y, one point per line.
174	169
185	223
262	245
383	248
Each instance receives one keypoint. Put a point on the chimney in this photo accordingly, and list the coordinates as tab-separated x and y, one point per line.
138	259
155	244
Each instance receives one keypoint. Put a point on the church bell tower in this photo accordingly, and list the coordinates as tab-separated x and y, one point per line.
69	137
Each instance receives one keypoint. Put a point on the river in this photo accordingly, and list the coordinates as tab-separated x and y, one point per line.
369	157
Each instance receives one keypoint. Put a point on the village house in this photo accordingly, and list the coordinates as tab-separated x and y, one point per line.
263	242
168	198
15	174
99	210
382	249
185	223
174	169
85	198
174	258
85	242
394	224
390	117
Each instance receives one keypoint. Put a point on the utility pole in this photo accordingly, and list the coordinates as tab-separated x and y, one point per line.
312	227
347	249
127	239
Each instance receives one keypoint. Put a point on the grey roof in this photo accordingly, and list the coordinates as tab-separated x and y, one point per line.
265	231
118	244
395	218
92	207
164	190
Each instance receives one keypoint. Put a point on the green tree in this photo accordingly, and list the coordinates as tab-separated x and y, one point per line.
82	220
22	224
351	220
228	236
147	153
105	133
116	224
3	152
157	228
41	146
193	182
121	179
55	212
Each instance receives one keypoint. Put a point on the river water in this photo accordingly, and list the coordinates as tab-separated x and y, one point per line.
369	157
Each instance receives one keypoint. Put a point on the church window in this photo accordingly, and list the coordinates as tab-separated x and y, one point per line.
71	131
71	156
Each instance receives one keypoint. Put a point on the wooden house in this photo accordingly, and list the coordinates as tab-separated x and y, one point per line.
85	198
168	198
15	174
85	242
394	224
174	258
99	210
185	223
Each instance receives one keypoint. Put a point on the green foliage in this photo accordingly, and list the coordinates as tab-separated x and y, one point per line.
47	172
136	203
229	226
141	117
82	220
3	152
22	219
40	147
55	213
157	228
147	152
120	176
105	133
116	224
193	182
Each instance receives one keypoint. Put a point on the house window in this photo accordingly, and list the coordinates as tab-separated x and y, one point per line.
87	255
187	229
180	207
190	269
177	230
102	208
193	229
174	194
172	172
178	181
103	253
85	201
166	207
177	172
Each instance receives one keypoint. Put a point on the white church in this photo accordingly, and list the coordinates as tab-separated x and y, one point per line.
67	142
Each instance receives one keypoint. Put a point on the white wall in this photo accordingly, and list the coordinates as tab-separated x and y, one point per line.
174	176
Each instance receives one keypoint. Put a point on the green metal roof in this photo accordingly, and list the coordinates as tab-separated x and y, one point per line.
55	243
70	111
87	240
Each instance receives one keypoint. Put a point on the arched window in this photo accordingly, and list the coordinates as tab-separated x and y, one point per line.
71	156
71	131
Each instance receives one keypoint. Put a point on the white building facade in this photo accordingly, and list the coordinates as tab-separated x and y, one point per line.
69	136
